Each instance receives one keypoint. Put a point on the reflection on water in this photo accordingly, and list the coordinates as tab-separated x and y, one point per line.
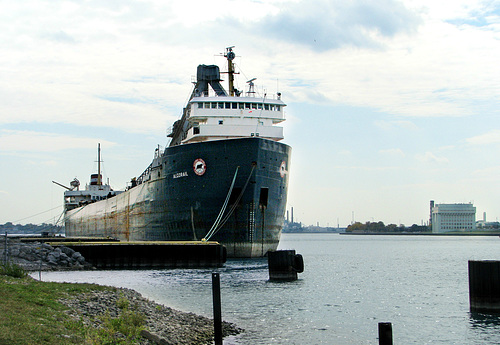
484	321
350	284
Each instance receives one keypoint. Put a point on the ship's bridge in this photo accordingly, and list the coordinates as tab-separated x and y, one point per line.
223	117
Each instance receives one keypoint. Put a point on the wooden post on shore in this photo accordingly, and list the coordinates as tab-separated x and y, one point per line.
484	286
217	308
385	333
5	254
284	265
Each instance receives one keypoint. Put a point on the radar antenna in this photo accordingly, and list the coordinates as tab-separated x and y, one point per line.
251	88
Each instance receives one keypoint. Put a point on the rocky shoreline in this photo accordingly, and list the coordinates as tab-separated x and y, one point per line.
163	325
35	256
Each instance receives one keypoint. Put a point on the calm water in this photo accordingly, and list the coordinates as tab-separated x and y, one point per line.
350	284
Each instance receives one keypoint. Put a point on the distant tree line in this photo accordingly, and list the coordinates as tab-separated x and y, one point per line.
489	226
381	227
29	228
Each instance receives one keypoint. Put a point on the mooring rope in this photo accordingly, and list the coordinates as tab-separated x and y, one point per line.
223	209
36	214
231	210
236	202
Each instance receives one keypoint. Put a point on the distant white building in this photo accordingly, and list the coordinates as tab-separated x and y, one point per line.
453	217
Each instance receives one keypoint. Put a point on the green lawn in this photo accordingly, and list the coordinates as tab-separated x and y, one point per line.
30	313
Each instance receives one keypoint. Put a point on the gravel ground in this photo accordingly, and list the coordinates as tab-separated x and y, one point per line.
164	325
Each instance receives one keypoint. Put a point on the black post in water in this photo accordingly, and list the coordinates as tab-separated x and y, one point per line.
385	333
484	286
217	309
5	255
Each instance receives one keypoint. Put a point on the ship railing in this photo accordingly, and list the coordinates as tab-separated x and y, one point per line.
145	176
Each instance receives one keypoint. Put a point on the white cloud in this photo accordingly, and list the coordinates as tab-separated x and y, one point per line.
354	23
429	157
30	141
490	173
396	125
345	153
393	152
492	137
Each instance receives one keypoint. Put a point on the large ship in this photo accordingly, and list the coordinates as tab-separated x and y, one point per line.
223	177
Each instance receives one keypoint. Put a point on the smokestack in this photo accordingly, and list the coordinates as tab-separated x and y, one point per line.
430	214
292	215
484	217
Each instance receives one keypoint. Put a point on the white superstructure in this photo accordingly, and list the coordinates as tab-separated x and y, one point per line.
453	217
95	191
213	113
225	117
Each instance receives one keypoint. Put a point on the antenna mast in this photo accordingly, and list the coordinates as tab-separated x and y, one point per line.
229	55
99	182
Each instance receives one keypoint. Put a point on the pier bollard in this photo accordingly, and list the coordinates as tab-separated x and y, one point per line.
385	333
484	286
217	309
284	265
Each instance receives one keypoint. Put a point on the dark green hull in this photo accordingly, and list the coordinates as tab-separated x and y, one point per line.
187	192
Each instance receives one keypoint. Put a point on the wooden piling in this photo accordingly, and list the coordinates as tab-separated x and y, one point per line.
217	309
484	286
5	251
385	333
284	265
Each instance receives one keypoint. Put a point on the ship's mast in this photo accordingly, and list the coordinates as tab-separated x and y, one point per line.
229	55
99	182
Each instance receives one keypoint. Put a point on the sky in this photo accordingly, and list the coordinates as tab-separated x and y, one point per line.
390	104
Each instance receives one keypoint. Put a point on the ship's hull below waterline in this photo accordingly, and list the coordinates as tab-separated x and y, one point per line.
189	194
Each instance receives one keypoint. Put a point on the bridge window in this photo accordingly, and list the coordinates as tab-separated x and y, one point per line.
200	105
234	105
214	105
266	106
228	105
207	105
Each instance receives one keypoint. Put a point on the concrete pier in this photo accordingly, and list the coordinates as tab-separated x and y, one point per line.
154	254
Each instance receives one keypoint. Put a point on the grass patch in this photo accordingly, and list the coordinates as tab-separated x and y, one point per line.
12	270
124	329
30	313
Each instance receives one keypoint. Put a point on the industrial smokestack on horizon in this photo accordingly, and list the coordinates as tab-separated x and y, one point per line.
430	214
